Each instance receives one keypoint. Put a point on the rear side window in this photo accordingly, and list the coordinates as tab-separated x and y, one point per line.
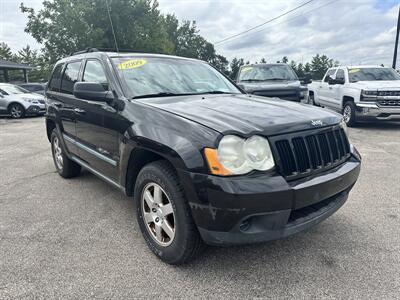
94	72
70	77
328	74
340	74
55	80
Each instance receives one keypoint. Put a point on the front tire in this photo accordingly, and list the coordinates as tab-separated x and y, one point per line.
164	216
64	166
349	114
16	111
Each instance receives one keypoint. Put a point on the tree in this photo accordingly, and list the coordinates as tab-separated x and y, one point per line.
235	65
263	61
284	60
5	52
68	26
320	64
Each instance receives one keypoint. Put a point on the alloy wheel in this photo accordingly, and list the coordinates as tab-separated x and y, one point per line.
158	214
58	153
347	114
16	111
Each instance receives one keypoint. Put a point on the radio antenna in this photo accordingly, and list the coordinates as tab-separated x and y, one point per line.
112	26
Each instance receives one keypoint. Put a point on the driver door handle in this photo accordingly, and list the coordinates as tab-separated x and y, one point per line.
79	111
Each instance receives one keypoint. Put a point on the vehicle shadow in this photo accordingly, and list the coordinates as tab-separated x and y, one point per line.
385	125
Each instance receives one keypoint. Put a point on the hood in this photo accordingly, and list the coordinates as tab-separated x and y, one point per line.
270	85
378	84
245	114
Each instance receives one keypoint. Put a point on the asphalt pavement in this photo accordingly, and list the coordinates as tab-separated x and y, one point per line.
78	238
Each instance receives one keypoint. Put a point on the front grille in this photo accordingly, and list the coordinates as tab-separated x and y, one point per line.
389	102
282	94
388	93
301	154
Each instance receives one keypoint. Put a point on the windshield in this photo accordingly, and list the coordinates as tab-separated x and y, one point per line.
10	89
372	74
267	72
170	76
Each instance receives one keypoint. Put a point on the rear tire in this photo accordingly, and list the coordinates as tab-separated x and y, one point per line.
64	166
16	111
349	113
158	189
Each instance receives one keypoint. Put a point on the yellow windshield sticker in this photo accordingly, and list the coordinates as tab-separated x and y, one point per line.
132	64
354	70
245	69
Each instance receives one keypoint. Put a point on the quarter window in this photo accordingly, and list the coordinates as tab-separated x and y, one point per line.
94	72
55	80
70	77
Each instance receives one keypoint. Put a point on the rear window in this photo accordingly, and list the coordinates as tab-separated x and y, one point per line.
70	76
54	84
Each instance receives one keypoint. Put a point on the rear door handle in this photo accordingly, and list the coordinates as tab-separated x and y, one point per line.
79	111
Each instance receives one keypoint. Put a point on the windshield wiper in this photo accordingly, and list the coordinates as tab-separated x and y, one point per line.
249	80
161	94
215	92
276	79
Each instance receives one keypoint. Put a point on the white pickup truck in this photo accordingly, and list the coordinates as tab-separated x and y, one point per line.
359	93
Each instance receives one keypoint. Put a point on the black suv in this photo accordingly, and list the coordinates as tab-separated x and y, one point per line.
273	80
205	162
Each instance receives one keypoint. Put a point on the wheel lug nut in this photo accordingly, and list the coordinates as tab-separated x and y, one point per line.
157	219
154	210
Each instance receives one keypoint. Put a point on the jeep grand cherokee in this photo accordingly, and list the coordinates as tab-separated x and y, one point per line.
205	162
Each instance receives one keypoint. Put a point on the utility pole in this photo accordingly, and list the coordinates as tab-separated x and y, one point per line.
397	42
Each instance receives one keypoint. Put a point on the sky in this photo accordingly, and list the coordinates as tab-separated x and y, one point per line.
350	31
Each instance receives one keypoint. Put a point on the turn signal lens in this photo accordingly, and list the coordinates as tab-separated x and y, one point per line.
214	165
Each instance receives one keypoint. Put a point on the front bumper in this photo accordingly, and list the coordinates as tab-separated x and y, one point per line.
372	111
262	207
36	109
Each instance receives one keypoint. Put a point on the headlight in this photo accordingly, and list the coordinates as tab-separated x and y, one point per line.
31	100
236	156
370	93
344	127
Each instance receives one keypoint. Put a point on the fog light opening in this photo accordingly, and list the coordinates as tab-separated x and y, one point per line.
245	225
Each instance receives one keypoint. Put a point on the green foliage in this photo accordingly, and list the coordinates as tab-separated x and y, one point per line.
235	65
5	52
65	26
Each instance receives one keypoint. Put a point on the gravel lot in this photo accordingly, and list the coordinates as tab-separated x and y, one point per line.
79	238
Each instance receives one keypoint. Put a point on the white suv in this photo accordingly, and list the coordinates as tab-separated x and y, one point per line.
18	102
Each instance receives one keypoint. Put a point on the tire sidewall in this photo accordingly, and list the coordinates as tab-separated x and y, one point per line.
352	120
22	110
152	174
55	134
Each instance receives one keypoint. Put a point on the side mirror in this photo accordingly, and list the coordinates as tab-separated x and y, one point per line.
93	91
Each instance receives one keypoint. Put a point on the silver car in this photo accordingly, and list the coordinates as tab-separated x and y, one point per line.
19	102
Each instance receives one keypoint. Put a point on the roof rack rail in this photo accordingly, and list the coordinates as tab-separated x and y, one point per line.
87	50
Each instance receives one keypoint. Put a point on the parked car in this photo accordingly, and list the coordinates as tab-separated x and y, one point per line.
359	92
204	162
18	102
272	80
37	88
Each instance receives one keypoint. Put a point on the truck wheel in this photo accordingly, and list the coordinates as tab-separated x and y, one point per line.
64	166
311	100
16	111
164	216
349	113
